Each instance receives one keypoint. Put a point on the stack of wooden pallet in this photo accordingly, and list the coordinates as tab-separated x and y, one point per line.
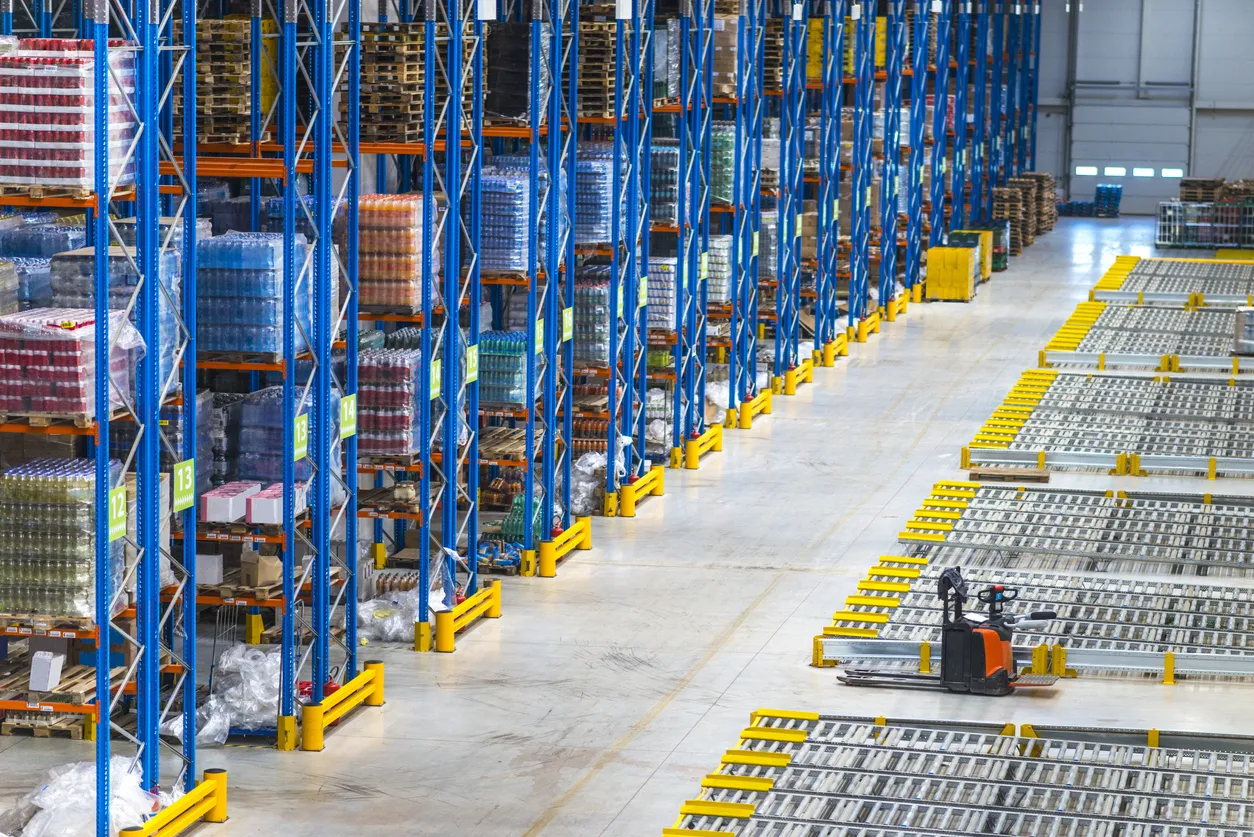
393	80
597	67
1201	189
1028	189
1008	206
1046	200
773	67
224	80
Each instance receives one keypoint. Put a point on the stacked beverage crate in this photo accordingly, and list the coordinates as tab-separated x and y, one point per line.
503	359
47	117
662	272
389	265
388	388
239	294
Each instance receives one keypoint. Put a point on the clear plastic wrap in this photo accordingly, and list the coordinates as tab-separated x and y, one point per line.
261	441
391	253
587	476
65	804
40	241
594	193
73	281
48	113
662	274
505	234
48	361
503	359
239	293
9	288
592	315
391	616
48	538
718	289
34	282
388	389
664	181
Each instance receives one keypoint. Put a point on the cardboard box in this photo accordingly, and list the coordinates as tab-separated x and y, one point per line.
208	569
45	671
227	503
260	570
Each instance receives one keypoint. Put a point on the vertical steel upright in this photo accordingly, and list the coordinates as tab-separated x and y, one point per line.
918	141
1027	74
997	105
1014	28
979	140
826	311
939	121
895	22
795	21
556	306
633	109
1034	83
747	203
694	128
962	45
864	93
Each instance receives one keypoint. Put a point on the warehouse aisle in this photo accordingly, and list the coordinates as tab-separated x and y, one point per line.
601	698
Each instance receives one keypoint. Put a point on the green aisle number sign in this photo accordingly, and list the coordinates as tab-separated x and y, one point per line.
539	347
300	436
117	513
568	324
472	363
184	484
436	380
348	416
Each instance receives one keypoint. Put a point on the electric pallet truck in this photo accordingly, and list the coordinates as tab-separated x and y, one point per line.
977	654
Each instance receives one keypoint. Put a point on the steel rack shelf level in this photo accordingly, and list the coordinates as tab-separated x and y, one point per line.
863	318
1105	623
789	369
746	398
1037	528
830	338
1105	335
693	435
802	774
632	129
1176	282
913	254
895	22
159	638
1122	424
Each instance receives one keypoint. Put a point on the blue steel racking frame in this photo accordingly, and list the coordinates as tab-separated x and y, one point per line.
918	141
895	51
695	131
941	94
862	161
1030	44
962	42
795	21
629	263
826	311
1014	28
742	360
997	105
1034	83
981	210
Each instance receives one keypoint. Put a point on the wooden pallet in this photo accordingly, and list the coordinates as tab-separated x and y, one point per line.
53	726
43	624
1008	474
497	569
232	588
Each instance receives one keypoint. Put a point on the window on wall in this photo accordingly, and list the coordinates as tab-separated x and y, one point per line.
1173	172
1139	172
1086	171
1115	171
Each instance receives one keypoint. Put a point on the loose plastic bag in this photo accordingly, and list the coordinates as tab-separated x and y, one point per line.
65	806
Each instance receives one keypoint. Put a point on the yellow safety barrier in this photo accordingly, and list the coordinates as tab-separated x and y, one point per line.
449	623
760	404
364	689
694	449
578	536
204	803
651	483
804	373
837	348
868	326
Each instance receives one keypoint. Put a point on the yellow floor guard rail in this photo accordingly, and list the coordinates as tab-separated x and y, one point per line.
206	802
448	623
694	449
366	688
652	483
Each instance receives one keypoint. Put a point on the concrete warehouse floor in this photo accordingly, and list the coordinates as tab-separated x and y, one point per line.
600	699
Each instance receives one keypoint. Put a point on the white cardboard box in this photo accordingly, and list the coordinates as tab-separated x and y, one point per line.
208	569
45	671
227	503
